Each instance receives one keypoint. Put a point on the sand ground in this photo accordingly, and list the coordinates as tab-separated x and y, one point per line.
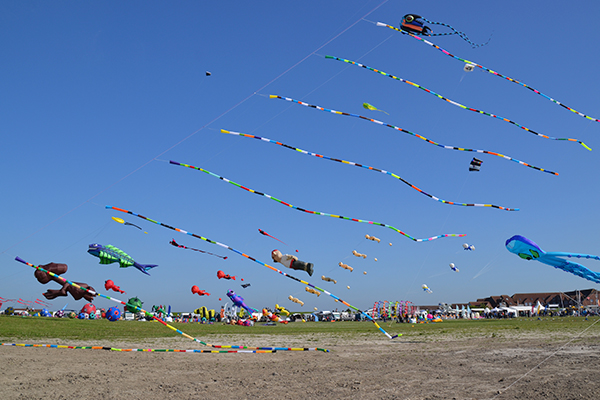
358	367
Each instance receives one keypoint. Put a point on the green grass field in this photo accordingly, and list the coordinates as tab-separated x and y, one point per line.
36	328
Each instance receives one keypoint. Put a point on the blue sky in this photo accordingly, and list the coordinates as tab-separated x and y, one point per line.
98	97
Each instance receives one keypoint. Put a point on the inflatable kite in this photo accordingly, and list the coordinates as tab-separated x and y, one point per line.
239	301
245	285
110	254
426	289
51	272
273	317
373	238
292	262
468	246
296	300
313	291
453	267
222	275
282	310
109	284
475	164
446	52
174	243
196	290
357	254
528	250
328	279
345	266
415	24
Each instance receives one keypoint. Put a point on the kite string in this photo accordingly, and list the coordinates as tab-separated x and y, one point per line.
192	134
545	359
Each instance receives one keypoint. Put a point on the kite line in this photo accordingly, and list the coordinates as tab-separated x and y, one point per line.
317	212
264	139
411	133
261	263
94	293
456	103
446	52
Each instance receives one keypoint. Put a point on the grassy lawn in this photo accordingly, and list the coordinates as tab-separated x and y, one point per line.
32	328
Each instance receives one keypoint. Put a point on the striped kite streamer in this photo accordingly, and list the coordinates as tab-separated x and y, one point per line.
261	263
264	139
93	293
411	133
456	103
446	52
59	346
316	212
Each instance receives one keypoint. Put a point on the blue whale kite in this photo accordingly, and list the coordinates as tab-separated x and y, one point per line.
528	250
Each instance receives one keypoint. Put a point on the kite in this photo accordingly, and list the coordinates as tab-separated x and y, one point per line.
273	317
266	234
109	284
446	52
528	250
369	168
411	23
456	103
336	298
296	300
245	285
51	272
357	254
282	310
110	254
453	267
328	279
239	302
372	108
122	221
317	212
373	238
475	164
468	246
221	275
313	291
345	266
426	289
414	134
174	243
91	293
208	73
196	290
292	262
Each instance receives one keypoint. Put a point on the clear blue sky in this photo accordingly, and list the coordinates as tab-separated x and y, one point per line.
97	97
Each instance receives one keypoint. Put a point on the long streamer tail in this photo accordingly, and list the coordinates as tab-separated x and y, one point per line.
412	133
317	212
462	35
455	103
446	52
366	167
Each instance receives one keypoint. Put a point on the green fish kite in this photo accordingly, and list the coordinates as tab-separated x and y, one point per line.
109	254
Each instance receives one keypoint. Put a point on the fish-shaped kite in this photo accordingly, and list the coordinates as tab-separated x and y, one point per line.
110	254
239	301
528	250
222	275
